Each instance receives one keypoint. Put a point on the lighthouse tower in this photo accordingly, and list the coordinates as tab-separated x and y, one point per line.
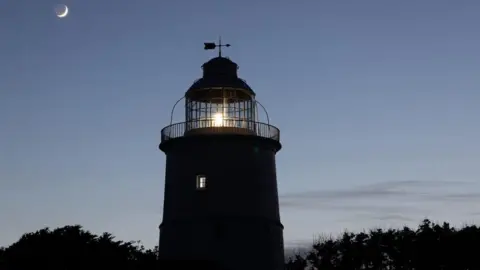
221	198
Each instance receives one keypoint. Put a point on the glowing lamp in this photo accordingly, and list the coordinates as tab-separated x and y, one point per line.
218	120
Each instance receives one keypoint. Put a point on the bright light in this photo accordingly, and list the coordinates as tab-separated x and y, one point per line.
218	120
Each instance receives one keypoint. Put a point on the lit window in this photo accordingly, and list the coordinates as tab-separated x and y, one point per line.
201	181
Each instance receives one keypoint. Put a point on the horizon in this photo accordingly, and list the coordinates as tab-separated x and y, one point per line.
375	102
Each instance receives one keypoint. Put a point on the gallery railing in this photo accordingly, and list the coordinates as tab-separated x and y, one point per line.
223	126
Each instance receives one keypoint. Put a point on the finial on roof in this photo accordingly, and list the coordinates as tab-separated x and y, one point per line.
212	46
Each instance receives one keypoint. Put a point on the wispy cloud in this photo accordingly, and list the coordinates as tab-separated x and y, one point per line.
431	190
399	201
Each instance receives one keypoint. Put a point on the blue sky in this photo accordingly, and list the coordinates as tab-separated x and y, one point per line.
377	102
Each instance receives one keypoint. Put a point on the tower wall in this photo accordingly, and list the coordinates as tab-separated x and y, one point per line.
235	220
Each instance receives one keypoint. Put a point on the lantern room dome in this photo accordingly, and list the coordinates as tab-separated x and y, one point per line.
219	72
220	65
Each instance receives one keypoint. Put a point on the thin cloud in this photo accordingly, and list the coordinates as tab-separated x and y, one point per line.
391	217
467	196
395	217
389	203
381	190
386	199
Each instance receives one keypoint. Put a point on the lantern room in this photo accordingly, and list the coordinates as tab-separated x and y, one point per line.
220	101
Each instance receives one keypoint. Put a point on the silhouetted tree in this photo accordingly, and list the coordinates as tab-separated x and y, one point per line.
70	247
430	247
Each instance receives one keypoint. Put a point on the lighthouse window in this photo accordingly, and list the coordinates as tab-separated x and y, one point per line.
201	181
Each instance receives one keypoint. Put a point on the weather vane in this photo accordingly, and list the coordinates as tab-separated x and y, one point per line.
212	46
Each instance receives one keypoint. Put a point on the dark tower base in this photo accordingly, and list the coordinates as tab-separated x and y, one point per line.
234	219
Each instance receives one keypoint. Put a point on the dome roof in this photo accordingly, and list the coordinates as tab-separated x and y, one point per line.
219	61
220	66
220	72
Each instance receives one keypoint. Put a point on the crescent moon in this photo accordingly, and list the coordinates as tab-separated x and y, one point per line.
64	13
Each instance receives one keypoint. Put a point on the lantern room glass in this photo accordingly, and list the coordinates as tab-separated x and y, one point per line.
222	107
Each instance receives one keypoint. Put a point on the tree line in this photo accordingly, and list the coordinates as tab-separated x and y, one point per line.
430	246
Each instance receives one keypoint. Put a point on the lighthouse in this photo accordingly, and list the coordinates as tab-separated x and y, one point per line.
220	195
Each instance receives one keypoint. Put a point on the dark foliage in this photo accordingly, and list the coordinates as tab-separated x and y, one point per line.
71	246
431	246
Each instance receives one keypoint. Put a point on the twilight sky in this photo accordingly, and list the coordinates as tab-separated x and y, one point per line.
378	103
